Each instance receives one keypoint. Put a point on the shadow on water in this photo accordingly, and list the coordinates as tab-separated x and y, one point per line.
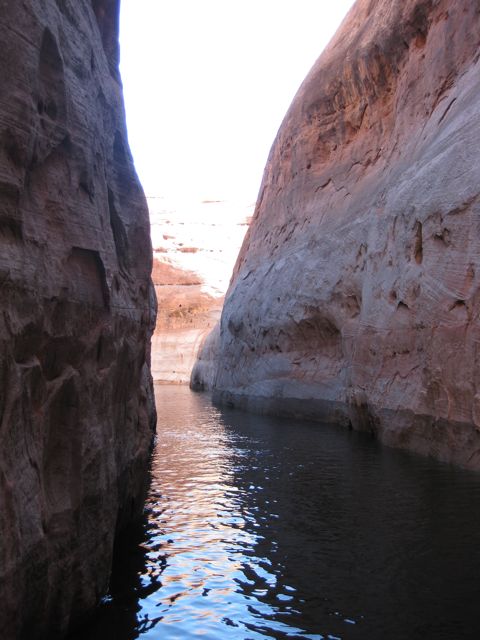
117	616
257	527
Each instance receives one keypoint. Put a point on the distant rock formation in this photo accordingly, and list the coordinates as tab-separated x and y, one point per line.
186	316
195	246
77	311
355	298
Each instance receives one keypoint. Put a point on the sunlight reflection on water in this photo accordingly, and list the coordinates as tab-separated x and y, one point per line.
263	528
213	583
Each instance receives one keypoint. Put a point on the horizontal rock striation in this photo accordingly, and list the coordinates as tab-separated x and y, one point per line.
77	312
355	298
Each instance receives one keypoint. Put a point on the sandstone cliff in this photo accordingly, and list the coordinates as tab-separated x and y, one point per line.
355	298
77	312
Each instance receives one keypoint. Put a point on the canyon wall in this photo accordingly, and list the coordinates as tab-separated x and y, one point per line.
77	311
355	298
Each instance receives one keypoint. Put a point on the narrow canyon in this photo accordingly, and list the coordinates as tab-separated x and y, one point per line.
354	302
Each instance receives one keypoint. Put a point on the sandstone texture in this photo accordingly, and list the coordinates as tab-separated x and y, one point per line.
355	298
195	247
77	312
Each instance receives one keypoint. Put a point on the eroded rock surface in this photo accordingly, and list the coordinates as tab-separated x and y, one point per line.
77	312
355	297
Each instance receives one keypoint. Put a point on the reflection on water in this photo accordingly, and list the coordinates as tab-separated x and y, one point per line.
265	528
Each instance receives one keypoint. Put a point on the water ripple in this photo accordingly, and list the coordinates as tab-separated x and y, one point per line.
260	528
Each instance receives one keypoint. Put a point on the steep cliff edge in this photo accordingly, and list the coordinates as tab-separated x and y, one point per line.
77	312
355	298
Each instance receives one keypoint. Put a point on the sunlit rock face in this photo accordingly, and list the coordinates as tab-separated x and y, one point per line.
78	309
195	246
355	298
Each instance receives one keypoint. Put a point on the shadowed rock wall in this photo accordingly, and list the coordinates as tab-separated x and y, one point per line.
355	298
77	312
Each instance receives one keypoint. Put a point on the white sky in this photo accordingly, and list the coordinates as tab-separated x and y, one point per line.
207	83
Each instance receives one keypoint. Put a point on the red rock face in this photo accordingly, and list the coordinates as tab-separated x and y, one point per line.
77	313
355	297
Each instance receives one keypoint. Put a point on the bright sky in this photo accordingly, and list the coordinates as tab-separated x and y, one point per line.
207	83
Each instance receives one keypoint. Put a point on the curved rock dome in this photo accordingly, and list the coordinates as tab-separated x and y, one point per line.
355	298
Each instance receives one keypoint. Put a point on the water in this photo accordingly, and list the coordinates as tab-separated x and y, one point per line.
264	528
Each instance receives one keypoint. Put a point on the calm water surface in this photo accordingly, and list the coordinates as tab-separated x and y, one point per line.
264	528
